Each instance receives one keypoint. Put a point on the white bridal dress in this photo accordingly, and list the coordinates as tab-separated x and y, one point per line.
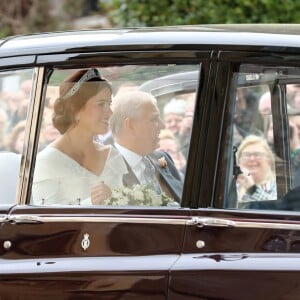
59	180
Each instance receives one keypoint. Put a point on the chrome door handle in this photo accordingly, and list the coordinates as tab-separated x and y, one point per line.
215	222
24	219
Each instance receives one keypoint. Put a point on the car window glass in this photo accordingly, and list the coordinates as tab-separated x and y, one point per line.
139	119
262	146
15	90
293	110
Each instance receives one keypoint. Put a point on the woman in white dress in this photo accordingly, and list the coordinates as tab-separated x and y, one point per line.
74	169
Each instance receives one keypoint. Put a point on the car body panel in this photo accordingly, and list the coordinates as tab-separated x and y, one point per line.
243	256
230	281
116	255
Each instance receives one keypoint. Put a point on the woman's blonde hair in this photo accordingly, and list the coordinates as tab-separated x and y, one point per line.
258	140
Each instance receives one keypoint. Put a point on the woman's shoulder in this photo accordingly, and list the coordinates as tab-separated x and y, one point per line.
51	154
48	151
50	162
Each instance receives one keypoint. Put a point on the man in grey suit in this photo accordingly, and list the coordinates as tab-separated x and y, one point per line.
135	125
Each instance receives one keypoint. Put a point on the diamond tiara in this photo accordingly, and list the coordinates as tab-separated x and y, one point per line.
91	73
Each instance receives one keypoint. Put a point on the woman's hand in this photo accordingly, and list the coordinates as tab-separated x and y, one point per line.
99	193
245	179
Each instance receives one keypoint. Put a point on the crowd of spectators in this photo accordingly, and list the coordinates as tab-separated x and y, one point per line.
254	117
178	115
13	113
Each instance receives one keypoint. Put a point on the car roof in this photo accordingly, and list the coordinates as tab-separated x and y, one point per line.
164	38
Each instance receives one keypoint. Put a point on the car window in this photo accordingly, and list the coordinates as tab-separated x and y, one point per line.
115	135
15	90
261	160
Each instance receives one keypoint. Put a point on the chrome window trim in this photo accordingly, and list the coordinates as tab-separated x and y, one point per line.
32	128
28	219
194	221
219	222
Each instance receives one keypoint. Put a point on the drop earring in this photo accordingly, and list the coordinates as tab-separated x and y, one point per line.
77	119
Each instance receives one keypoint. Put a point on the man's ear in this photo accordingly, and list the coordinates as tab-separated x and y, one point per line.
129	124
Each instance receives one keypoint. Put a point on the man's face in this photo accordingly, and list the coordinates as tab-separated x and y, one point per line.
147	127
173	122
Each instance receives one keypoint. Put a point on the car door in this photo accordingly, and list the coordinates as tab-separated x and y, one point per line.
236	248
108	252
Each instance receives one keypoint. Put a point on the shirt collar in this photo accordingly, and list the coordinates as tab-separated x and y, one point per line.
132	158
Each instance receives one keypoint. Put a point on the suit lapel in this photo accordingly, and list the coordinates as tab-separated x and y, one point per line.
166	178
172	183
129	179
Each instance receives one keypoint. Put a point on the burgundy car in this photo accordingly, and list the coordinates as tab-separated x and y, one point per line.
229	102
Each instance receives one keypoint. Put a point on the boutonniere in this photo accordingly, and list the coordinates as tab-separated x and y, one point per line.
162	162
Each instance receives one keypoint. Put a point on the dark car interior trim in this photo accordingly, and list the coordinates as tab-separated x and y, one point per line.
20	61
115	57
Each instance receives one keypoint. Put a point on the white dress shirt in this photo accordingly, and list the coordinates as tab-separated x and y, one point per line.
135	162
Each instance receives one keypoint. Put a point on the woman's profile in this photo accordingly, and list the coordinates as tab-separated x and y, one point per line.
74	169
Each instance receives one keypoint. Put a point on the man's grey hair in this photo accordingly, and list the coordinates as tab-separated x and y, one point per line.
128	105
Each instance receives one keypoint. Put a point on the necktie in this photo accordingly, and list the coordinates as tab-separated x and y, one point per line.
149	174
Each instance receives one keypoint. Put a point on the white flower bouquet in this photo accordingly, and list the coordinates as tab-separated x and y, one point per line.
138	194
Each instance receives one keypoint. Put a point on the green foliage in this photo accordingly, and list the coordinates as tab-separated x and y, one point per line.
27	16
131	13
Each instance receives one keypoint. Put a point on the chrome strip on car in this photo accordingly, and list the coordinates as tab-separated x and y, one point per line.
198	221
219	222
91	219
3	218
